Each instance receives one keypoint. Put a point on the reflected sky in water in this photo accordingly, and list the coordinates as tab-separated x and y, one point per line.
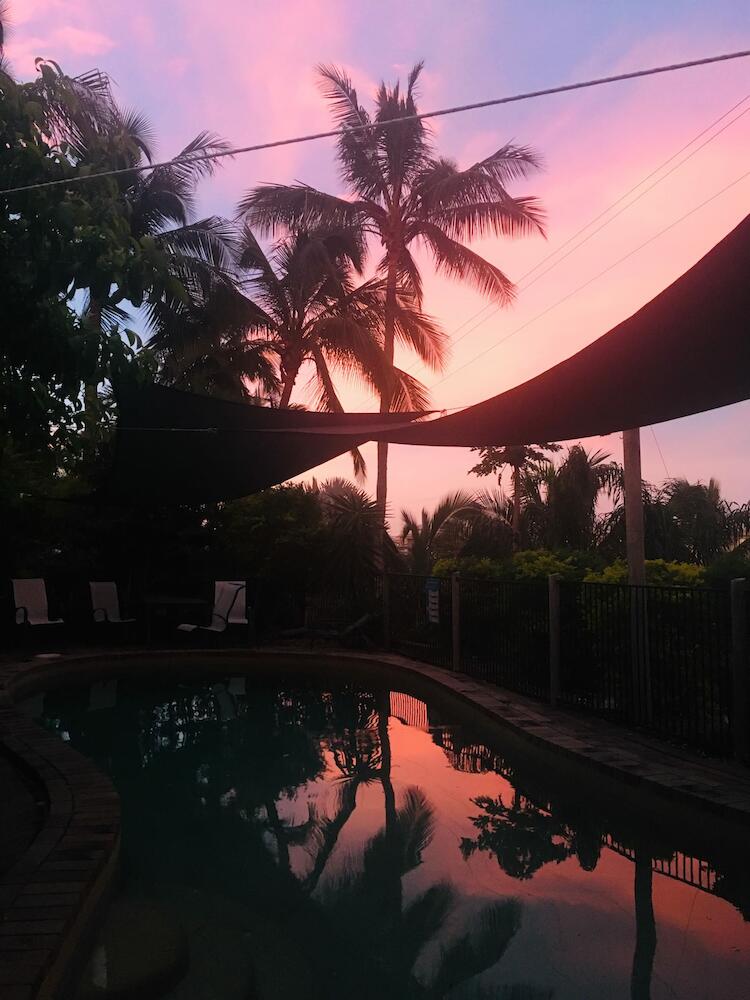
325	839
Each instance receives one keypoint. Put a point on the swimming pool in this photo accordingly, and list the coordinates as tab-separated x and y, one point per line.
323	837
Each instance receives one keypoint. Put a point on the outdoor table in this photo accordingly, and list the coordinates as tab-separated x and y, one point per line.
166	603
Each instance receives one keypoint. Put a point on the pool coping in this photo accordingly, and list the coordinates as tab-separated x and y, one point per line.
50	898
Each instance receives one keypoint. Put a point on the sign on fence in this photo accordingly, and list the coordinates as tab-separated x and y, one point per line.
432	587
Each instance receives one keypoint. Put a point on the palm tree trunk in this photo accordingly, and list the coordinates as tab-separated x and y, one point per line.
516	508
381	492
645	929
290	377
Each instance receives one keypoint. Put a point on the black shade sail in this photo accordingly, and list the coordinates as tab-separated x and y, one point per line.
685	351
175	447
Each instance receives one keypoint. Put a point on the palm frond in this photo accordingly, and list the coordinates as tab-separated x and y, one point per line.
270	207
457	261
408	395
421	333
480	948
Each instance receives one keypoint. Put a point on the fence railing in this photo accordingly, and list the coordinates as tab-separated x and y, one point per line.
673	661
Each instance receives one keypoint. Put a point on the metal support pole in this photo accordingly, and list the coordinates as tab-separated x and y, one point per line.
553	583
740	719
386	613
456	620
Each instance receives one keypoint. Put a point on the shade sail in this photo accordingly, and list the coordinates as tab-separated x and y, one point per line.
177	447
685	351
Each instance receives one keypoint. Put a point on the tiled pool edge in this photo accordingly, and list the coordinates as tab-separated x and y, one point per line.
686	779
50	898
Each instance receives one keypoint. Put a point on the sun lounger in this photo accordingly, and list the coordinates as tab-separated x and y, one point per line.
229	608
106	603
31	603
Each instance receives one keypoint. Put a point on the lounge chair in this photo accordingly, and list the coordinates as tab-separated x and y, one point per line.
229	608
31	603
106	603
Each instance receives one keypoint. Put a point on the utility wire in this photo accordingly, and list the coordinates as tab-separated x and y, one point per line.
596	277
658	448
389	123
494	308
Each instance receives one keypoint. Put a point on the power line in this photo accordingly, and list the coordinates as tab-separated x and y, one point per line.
494	309
658	448
390	123
596	277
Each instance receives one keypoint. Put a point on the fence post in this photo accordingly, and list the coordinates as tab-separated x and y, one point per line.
740	730
456	620
553	584
386	613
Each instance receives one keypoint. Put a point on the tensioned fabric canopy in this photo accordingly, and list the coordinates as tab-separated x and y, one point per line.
685	351
176	447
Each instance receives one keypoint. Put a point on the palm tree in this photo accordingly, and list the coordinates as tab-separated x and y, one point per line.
519	457
170	261
404	194
308	309
708	523
685	522
423	534
560	501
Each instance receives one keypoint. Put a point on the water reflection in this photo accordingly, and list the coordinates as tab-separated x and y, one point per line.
292	801
527	829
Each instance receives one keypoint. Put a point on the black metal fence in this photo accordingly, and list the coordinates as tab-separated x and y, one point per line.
504	636
420	620
658	658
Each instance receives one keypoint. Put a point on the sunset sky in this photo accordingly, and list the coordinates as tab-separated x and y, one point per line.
246	71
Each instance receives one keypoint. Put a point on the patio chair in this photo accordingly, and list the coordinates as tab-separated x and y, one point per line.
31	603
106	603
229	608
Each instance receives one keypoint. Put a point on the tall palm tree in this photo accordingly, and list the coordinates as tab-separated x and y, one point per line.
403	195
519	457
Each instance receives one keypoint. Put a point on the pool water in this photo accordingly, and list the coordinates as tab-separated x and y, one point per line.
323	838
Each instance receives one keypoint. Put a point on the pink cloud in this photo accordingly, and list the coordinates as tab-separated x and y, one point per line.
81	42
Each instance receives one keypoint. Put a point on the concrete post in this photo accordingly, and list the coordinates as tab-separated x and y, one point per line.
553	584
634	535
456	620
740	720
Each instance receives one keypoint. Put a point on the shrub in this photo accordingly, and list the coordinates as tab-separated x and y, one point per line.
471	566
726	567
538	564
659	572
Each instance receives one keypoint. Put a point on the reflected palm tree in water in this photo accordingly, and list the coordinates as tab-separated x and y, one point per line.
373	940
380	938
525	836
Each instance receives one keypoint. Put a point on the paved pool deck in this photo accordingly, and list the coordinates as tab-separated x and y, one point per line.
52	893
